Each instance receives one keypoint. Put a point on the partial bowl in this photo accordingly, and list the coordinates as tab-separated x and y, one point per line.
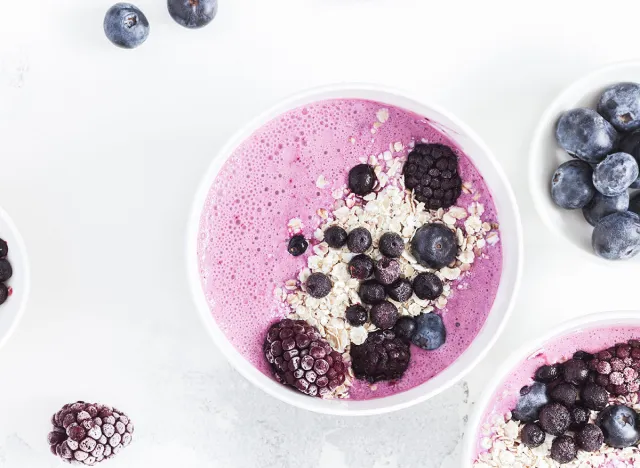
511	238
11	311
546	155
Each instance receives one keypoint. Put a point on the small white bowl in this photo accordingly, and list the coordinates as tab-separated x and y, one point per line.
546	155
596	320
511	238
11	311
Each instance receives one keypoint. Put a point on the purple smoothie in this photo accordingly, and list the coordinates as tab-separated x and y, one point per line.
271	178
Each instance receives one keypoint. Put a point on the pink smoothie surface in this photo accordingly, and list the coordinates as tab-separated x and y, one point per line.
271	178
558	349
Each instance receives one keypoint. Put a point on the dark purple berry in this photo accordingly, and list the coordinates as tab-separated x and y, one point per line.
361	267
371	292
362	179
387	270
620	426
532	435
404	328
590	438
427	286
547	374
430	332
4	248
532	399
383	356
384	315
554	418
318	285
434	245
359	240
575	371
4	293
391	245
564	393
335	237
583	356
594	397
579	417
125	25
400	290
6	272
563	449
193	13
297	245
356	315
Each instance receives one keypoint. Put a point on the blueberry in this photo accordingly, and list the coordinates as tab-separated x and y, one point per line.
427	286
387	270
532	435
547	374
362	179
601	206
532	399
126	26
615	174
404	328
620	105
590	438
586	134
434	245
360	267
617	236
563	449
6	271
575	371
391	245
620	426
579	417
359	240
4	248
400	290
384	315
4	293
572	185
297	245
564	393
356	315
430	333
554	418
318	285
335	237
594	397
634	203
193	13
371	292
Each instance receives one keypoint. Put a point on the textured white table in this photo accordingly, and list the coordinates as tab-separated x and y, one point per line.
100	153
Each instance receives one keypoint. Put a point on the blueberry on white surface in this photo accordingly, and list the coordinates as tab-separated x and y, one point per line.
620	105
601	206
615	174
586	134
617	236
126	26
193	13
572	185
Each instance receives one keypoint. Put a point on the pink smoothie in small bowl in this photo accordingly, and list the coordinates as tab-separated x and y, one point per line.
271	178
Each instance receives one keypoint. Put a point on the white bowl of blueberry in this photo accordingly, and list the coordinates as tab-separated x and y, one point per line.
14	277
584	163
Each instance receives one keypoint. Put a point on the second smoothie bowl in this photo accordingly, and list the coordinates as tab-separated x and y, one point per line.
354	251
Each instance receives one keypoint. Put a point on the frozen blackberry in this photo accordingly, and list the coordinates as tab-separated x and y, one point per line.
318	285
360	267
400	290
335	237
554	418
547	374
371	292
301	358
4	248
6	272
532	435
427	286
575	371
563	449
590	438
594	397
362	179
359	240
391	245
384	315
579	417
386	271
88	433
405	328
564	393
431	171
356	315
4	293
383	356
297	245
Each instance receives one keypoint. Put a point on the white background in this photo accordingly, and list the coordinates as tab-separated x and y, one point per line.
101	150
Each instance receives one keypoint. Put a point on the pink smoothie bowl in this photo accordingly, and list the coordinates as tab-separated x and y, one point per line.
510	233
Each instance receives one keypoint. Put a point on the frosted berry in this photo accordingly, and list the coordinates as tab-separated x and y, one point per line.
594	397
547	374
318	285
575	371
384	315
400	290
532	435
359	240
383	356
590	438
360	267
554	418
579	417
391	245
387	270
371	292
564	393
563	449
356	315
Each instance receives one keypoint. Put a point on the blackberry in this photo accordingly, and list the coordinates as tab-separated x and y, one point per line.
563	449
579	417
318	285
405	328
384	315
6	272
301	358
359	240
594	397
590	438
427	286
88	433
431	171
4	248
360	267
387	270
391	245
532	435
356	315
400	290
335	237
554	418
547	374
575	371
362	179
564	393
371	292
383	356
297	245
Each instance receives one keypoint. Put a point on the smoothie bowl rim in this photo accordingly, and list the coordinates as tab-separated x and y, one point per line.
521	353
391	97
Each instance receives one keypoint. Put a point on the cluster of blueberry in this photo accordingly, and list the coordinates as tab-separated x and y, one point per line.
606	145
5	271
563	397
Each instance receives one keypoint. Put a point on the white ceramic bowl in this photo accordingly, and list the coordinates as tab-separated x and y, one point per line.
600	319
511	236
546	155
11	311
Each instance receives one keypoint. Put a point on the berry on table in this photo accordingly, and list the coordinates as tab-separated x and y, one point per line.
360	267
430	332
532	435
362	179
384	315
359	240
356	315
297	245
586	134
335	237
572	185
427	286
387	270
318	285
434	245
371	292
619	424
126	26
391	245
563	449
400	290
193	13
617	236
532	398
620	105
383	356
615	174
601	206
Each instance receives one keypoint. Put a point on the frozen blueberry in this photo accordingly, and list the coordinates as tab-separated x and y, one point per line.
427	286
6	271
4	248
532	435
575	371
615	174
434	245
601	206
594	396
360	267
371	292
564	393
193	13
590	438
386	271
335	237
362	179
430	333
619	425
547	374
297	245
620	105
318	285
586	134
391	245
125	25
400	290
384	315
563	449
617	236
554	418
359	240
4	293
356	315
404	328
572	185
634	203
532	399
579	417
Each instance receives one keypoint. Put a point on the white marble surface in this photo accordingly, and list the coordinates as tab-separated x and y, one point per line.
100	153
